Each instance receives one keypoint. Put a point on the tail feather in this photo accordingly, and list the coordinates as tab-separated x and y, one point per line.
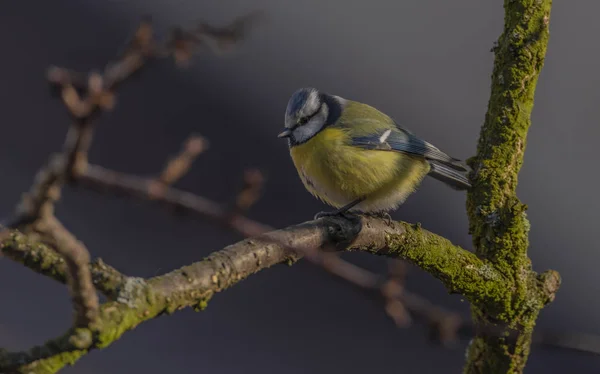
452	163
450	175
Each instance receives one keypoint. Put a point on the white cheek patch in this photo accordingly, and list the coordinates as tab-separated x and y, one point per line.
310	129
305	132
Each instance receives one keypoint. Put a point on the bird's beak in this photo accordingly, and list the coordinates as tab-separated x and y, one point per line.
285	133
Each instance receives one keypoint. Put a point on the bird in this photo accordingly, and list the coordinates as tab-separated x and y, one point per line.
356	158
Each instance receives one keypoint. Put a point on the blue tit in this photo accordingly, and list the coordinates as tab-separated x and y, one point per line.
356	158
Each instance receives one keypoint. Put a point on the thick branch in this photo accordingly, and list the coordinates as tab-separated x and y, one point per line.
498	221
139	300
460	270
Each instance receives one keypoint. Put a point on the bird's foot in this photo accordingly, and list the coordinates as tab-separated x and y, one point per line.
335	213
383	215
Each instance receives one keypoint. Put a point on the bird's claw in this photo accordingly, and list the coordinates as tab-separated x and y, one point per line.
335	213
382	215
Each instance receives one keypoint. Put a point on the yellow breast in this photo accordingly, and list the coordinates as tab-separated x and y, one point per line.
338	173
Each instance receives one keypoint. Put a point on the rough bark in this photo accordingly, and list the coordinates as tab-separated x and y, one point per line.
498	221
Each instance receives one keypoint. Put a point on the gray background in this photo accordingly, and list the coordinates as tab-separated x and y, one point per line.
426	63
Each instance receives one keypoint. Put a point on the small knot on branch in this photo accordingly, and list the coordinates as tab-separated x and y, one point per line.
81	338
143	37
549	283
98	92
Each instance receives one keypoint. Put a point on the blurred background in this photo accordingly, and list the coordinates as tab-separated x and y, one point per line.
426	63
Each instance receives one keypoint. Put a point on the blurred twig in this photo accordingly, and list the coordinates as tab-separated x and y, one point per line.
77	259
178	166
109	181
85	96
250	192
226	37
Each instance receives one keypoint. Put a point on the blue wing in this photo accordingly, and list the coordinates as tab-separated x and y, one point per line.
401	140
443	167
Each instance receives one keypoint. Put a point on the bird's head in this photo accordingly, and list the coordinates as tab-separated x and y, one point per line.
308	112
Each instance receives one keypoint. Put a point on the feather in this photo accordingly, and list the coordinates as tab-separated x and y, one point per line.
402	141
451	177
372	129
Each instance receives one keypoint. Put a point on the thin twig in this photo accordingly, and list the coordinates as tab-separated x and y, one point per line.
76	256
106	180
178	166
250	192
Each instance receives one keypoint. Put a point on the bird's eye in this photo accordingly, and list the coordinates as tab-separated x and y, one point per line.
302	121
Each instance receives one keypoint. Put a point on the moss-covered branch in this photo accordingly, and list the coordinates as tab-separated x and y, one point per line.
44	260
498	221
137	300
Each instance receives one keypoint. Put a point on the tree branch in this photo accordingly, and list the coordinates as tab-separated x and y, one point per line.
102	179
139	300
77	259
46	261
497	218
459	270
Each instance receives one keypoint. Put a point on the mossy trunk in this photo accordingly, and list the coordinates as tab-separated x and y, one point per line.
498	221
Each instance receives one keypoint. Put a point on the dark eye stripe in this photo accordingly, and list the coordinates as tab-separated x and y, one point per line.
304	120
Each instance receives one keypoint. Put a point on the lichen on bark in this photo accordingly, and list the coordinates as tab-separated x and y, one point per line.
498	220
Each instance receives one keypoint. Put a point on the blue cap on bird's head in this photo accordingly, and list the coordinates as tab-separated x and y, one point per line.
304	97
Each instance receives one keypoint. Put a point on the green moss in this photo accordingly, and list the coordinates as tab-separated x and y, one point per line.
117	323
519	59
498	220
498	354
202	303
459	270
34	255
53	364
